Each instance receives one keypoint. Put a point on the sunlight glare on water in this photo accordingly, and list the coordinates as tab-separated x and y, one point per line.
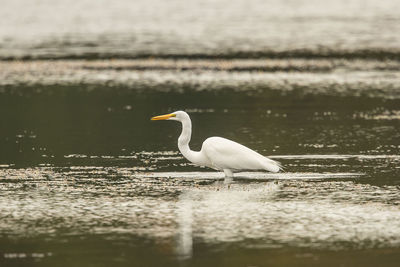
324	214
86	179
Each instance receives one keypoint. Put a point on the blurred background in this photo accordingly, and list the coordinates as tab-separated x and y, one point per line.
88	180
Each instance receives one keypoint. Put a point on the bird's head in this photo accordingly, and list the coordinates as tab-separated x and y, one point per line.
175	116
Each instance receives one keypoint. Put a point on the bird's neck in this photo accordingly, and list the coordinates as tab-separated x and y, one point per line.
183	142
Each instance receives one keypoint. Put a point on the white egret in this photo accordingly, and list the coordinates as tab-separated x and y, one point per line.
217	152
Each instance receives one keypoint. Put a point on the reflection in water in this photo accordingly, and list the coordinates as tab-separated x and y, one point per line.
79	157
262	212
195	209
261	176
185	221
298	212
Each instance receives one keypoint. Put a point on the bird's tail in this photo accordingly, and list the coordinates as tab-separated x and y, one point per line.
281	168
279	164
273	165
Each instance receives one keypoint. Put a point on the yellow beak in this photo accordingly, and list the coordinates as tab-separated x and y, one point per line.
163	117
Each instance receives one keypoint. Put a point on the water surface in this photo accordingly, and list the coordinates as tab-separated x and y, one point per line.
239	28
86	178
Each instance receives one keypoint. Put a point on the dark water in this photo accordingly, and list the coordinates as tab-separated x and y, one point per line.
86	179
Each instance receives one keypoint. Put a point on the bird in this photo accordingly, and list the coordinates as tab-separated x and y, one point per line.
217	152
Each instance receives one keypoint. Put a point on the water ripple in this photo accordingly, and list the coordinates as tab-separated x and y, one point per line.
324	210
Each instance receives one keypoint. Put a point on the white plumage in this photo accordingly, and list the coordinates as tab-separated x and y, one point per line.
217	152
227	154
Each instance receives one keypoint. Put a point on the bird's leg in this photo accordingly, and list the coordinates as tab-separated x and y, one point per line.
228	176
228	173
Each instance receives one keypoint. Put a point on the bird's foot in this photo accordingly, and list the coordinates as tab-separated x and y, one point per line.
228	180
228	176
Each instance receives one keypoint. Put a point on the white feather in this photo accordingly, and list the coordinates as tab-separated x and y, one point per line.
217	152
226	154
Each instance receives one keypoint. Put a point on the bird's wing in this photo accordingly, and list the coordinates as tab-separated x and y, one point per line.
227	154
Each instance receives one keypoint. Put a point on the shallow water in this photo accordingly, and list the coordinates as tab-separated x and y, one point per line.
86	179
